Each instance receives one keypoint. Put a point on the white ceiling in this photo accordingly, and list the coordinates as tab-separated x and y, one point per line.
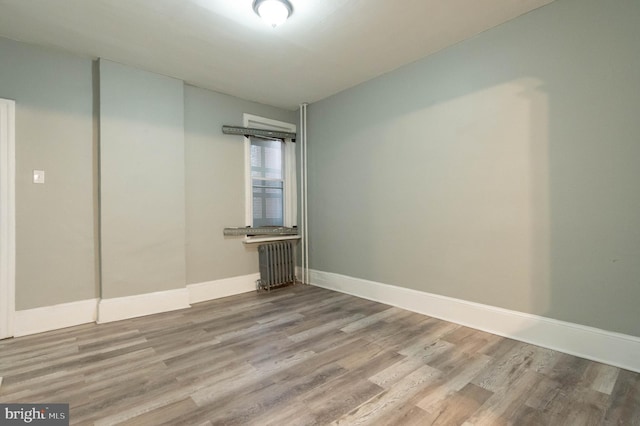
325	47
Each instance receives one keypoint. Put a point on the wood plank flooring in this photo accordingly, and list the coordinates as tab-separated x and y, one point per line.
303	356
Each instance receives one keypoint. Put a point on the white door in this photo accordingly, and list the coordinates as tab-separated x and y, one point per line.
7	217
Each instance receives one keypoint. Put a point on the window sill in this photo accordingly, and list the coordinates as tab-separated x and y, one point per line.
254	240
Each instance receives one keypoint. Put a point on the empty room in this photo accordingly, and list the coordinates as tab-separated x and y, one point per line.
310	212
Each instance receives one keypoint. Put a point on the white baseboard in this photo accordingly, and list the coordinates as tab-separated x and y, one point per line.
120	308
608	347
210	290
47	318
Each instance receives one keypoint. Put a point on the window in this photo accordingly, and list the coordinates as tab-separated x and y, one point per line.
270	174
267	181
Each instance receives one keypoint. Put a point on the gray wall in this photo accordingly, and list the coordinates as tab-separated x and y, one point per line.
215	184
503	170
162	154
55	244
142	169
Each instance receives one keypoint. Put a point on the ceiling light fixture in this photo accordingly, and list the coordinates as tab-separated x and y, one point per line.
273	12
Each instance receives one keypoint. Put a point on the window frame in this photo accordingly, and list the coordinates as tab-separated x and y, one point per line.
258	122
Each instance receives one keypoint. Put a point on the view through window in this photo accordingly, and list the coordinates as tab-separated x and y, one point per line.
267	181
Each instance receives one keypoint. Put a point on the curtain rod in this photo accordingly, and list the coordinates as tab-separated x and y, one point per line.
246	131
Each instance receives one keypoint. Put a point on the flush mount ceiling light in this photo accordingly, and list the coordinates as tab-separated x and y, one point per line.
273	12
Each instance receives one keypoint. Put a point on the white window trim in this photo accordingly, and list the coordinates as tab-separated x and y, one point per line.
7	217
257	122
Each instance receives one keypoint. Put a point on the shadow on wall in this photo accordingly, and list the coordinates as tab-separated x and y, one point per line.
479	197
450	193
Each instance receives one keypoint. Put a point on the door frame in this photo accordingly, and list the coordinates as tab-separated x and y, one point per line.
7	217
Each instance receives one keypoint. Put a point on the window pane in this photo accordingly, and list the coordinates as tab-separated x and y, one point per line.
267	203
266	158
261	183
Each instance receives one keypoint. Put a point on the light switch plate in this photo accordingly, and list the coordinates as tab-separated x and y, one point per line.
38	176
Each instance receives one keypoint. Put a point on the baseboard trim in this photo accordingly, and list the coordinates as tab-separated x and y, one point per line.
139	305
48	318
201	292
608	347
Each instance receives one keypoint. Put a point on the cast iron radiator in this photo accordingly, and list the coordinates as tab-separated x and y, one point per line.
277	264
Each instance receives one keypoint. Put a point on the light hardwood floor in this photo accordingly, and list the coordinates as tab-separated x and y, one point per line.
305	355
